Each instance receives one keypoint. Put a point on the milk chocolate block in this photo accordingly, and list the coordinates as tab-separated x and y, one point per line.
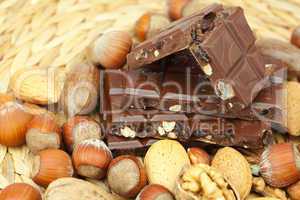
215	130
143	124
125	144
221	42
231	132
177	88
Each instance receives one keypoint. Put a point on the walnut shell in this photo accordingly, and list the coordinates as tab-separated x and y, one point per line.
76	189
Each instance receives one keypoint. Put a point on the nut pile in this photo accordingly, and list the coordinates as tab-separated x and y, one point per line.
52	141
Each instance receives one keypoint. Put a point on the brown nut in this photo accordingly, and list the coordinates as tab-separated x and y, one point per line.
126	176
81	90
13	124
293	108
155	192
234	166
77	189
279	165
51	164
176	7
110	49
20	191
78	129
295	39
91	158
204	182
164	161
149	25
43	133
294	191
198	156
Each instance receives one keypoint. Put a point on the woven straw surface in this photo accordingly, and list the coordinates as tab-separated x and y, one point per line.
56	34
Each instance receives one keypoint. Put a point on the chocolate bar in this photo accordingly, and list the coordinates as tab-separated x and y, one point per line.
143	124
226	132
125	144
177	86
231	132
221	42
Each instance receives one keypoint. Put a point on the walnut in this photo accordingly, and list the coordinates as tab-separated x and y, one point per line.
204	182
259	186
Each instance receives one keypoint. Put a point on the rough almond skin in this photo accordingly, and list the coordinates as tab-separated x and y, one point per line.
233	165
164	161
38	86
293	108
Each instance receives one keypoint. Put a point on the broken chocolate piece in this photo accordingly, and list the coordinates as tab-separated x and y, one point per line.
143	124
222	43
125	144
231	132
215	130
177	86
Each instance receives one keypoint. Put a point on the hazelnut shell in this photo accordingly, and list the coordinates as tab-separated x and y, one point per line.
117	180
78	129
51	164
43	133
111	49
20	191
13	124
279	164
198	156
91	158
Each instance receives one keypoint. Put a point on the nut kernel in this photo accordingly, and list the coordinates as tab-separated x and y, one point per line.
224	90
128	132
207	69
168	126
161	131
175	108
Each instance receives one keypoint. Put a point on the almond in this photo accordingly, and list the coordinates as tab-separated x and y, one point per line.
38	86
164	161
233	165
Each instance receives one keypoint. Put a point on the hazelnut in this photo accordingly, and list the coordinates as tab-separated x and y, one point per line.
51	164
176	7
155	192
78	129
13	124
198	156
110	49
91	158
20	191
279	165
43	133
149	25
294	191
126	176
81	90
295	39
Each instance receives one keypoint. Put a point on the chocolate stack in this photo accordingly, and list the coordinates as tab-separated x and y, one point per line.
200	79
